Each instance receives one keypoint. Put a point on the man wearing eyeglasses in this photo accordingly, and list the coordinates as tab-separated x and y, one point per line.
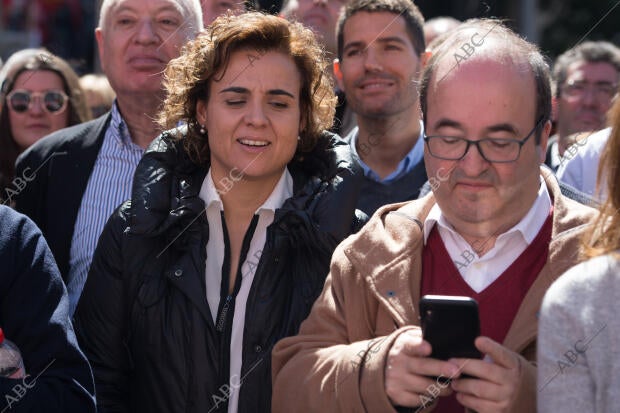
78	176
496	228
586	80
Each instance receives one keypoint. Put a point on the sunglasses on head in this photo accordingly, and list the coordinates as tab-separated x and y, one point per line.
53	101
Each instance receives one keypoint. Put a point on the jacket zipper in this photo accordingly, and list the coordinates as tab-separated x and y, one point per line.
221	322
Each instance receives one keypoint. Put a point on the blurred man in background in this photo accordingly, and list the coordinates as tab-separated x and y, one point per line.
586	80
321	16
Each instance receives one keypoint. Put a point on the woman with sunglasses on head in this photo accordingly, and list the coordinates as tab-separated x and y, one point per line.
39	94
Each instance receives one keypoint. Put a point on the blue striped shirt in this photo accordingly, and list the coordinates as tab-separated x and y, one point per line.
108	186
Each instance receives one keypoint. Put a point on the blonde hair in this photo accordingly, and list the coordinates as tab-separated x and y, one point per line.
97	84
188	77
604	236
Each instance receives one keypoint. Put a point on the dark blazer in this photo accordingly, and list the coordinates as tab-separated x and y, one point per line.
56	170
34	314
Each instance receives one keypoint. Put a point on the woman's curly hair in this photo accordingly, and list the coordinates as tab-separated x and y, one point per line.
188	77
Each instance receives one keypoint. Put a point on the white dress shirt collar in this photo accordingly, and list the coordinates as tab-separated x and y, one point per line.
480	272
281	192
528	226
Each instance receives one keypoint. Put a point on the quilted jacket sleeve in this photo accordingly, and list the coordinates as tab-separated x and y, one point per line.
101	320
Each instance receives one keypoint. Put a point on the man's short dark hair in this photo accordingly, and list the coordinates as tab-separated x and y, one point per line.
591	52
414	21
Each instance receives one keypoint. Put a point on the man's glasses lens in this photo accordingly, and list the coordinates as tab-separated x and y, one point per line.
494	150
452	148
579	89
53	101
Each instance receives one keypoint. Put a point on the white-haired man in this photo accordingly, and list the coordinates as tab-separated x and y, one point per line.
84	172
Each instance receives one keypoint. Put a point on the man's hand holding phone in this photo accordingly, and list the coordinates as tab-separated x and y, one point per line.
451	325
494	385
410	374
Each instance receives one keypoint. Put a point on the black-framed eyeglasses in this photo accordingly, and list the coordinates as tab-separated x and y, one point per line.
52	101
453	148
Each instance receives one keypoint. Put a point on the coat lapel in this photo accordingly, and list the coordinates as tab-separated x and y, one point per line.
68	176
563	254
389	256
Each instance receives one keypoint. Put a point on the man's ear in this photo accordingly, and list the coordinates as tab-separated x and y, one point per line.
99	39
554	108
544	137
338	75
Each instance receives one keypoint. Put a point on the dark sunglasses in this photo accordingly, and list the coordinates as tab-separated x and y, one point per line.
53	101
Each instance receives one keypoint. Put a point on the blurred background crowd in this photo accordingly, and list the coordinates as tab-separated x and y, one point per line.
66	27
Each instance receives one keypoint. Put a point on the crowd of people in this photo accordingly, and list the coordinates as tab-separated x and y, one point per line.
243	212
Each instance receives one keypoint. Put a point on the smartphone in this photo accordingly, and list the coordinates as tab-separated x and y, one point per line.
450	324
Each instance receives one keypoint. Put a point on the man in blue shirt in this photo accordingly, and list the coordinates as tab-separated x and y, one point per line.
380	56
586	81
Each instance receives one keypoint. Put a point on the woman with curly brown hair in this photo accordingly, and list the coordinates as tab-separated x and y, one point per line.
227	239
579	331
39	94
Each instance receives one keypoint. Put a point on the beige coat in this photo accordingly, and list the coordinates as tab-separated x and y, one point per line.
336	362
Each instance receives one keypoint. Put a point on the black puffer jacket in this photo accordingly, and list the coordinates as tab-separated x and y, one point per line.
143	319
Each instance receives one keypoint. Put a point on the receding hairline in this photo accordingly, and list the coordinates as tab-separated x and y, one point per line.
187	8
502	46
500	52
497	43
520	68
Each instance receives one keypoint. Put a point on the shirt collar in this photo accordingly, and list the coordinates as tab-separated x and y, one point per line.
209	194
415	155
556	159
281	192
119	126
528	226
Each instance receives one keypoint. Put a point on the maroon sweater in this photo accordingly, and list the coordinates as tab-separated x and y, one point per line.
498	303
